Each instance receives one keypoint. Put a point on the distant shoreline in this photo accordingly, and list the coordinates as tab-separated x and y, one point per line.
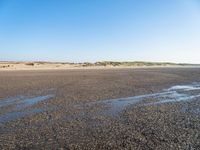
14	65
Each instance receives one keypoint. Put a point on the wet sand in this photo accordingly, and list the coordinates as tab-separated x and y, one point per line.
146	108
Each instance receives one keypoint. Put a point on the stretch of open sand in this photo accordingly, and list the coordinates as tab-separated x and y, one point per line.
129	108
12	66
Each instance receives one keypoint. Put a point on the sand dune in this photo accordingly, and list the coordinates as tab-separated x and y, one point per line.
85	65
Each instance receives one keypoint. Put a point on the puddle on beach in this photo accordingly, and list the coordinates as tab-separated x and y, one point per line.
176	93
20	107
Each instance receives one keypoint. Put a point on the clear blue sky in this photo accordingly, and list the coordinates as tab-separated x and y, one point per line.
95	30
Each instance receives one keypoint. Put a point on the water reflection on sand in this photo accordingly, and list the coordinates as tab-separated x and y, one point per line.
20	107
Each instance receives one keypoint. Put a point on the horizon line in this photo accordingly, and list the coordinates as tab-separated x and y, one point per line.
93	62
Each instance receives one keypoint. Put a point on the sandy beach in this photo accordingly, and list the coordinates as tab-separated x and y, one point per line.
99	75
10	66
144	108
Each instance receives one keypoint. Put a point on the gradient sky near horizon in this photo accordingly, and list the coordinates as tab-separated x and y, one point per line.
97	30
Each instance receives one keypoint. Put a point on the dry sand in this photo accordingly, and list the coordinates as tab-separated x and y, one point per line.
9	66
